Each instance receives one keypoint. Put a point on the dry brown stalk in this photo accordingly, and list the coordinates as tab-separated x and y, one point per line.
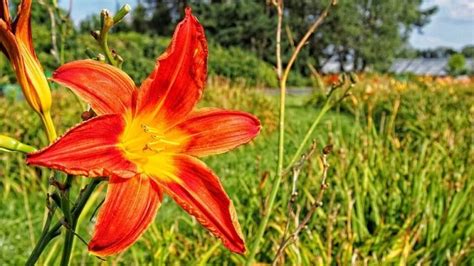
287	240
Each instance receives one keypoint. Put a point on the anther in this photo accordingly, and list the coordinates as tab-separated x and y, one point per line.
148	147
149	129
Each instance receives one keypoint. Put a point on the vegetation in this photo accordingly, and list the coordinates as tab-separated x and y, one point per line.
457	65
242	33
400	180
359	33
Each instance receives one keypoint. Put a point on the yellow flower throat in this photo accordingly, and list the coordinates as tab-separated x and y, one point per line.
151	148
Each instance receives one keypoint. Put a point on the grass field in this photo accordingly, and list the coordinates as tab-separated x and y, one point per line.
401	182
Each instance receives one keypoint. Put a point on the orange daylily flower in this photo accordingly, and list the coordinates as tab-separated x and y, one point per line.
17	44
148	141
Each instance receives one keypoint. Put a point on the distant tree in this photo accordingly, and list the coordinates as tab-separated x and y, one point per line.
358	32
457	64
246	23
161	17
91	22
468	51
370	32
139	19
407	52
439	52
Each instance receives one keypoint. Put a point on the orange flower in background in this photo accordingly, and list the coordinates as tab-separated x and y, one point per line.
332	79
147	142
17	44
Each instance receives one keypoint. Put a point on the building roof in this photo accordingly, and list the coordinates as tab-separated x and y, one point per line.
424	66
417	66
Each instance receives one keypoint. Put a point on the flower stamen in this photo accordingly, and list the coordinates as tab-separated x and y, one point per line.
159	142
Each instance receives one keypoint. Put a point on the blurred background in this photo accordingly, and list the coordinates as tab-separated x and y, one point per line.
431	37
401	172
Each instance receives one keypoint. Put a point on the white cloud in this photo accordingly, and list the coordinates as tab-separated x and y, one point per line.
464	10
454	9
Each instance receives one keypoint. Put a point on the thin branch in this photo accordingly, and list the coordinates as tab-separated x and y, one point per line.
279	6
314	206
283	76
54	42
294	193
305	38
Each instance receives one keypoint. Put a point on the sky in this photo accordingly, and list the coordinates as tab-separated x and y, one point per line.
452	25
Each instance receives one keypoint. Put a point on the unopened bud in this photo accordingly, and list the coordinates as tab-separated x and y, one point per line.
9	144
101	57
327	150
119	60
342	78
122	13
353	77
106	21
95	34
87	115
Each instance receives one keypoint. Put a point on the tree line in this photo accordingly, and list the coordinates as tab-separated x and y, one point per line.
360	34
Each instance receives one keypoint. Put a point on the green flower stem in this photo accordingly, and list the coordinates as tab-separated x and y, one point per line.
282	172
103	42
49	126
44	236
277	182
55	230
283	76
69	222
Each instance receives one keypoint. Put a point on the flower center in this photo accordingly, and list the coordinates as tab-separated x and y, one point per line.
149	144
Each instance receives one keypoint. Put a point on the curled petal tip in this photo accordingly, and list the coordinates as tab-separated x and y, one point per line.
241	249
188	11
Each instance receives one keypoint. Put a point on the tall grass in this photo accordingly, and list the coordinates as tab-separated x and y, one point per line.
400	182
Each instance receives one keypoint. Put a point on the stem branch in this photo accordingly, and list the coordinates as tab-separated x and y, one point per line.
55	230
283	77
286	241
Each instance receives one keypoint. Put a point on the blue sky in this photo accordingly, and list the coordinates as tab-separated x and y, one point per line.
452	26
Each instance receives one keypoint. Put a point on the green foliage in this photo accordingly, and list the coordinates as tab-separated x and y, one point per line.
370	36
438	52
457	64
468	51
237	64
369	33
140	52
246	24
357	32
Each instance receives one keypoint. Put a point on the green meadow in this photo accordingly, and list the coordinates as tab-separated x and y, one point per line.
401	181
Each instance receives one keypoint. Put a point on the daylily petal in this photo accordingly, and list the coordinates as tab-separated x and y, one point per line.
199	192
22	25
106	88
5	11
176	84
216	131
9	45
88	149
129	207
